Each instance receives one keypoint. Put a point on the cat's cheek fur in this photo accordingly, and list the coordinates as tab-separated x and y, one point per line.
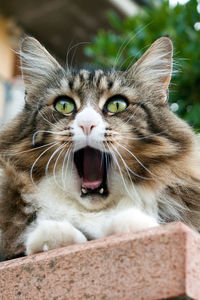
129	221
49	234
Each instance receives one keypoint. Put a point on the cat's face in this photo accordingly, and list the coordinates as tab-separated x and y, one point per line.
98	125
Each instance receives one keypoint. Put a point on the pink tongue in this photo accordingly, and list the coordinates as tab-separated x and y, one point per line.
92	168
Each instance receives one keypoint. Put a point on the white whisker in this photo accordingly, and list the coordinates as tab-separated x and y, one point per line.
42	115
127	167
67	168
54	116
145	137
51	157
69	50
33	165
29	150
63	165
75	50
155	176
133	187
116	161
48	131
127	41
133	114
55	165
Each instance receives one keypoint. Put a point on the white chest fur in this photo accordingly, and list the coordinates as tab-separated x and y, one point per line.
63	220
54	202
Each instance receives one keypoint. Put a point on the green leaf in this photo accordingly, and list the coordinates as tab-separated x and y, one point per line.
130	37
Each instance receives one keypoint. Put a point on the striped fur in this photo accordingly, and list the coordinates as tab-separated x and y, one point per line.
156	151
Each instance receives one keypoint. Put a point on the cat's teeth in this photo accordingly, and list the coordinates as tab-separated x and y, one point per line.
101	190
84	190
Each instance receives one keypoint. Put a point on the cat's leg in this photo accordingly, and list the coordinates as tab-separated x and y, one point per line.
129	220
50	234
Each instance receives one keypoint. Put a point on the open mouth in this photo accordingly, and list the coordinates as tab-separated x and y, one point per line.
92	166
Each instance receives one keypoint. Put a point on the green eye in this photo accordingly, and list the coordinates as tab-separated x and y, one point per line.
65	105
116	105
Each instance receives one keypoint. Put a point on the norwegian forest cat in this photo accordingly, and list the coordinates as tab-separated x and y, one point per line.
94	153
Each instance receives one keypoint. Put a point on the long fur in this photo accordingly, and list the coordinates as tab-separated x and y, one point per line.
154	175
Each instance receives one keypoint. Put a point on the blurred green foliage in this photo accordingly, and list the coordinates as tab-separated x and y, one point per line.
129	38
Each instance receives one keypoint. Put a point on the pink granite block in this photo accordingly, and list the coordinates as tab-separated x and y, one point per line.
192	265
158	263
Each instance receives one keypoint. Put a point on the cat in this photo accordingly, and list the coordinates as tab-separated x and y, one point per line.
94	153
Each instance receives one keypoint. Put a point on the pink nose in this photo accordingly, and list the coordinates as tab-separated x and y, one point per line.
87	128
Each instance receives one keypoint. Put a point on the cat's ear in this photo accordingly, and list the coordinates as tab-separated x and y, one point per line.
153	70
37	65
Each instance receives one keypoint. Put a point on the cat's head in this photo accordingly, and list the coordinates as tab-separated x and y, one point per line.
98	125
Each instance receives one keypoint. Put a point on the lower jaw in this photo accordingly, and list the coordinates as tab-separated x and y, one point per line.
102	191
94	202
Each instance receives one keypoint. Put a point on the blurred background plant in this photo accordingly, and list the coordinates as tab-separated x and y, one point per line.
130	37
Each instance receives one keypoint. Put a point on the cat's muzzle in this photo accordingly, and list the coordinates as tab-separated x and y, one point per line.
92	166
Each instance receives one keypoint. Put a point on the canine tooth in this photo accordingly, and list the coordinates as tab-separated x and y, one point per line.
101	190
84	190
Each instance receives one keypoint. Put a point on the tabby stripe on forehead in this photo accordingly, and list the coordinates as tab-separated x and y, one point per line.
104	83
98	76
110	84
81	77
71	83
91	76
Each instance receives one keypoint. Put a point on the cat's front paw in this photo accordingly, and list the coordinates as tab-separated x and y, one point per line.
129	221
51	235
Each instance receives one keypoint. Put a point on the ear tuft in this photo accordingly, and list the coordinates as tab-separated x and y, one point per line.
154	68
37	64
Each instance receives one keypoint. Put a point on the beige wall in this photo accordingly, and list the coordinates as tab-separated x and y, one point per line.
7	59
6	54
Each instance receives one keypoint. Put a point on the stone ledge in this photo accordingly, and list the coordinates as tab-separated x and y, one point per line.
158	263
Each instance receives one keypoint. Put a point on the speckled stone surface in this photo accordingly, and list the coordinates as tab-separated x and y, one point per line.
158	263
